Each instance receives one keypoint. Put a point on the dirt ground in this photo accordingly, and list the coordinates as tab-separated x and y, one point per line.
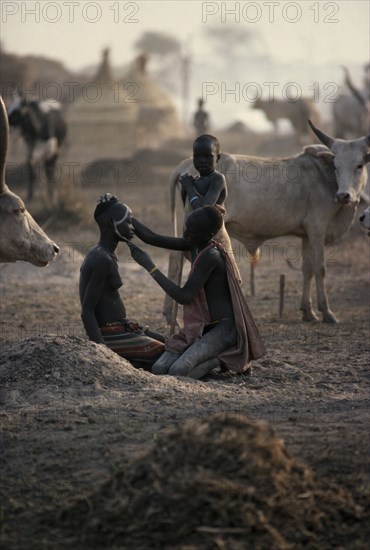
75	417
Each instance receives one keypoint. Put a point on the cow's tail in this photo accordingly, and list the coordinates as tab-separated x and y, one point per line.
4	137
174	180
292	266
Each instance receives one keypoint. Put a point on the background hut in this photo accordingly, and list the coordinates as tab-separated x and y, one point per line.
113	118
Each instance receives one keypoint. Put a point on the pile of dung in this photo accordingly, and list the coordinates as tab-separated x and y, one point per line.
225	483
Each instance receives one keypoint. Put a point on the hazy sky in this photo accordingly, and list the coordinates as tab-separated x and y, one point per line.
309	33
75	31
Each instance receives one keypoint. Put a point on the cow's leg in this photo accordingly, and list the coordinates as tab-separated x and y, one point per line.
307	269
318	263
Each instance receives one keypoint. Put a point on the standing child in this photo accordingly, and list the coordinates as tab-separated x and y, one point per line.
209	188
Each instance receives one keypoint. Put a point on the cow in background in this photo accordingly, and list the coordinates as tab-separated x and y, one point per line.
351	111
43	128
297	112
20	236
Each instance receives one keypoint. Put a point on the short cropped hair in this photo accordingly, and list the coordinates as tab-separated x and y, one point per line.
215	216
210	138
207	220
104	202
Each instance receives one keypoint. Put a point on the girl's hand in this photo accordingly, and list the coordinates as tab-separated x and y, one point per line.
141	257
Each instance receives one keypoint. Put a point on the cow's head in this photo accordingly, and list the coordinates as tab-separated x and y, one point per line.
20	236
350	158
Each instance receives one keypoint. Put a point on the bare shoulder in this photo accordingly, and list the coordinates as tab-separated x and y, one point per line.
212	256
99	258
219	178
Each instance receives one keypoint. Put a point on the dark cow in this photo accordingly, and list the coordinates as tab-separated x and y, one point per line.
43	128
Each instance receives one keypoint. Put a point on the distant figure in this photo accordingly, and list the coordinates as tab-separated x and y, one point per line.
201	119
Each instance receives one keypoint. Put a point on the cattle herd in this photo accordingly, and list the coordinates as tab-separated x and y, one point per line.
313	195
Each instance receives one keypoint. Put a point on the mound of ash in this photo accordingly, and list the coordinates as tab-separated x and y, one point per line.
223	482
64	362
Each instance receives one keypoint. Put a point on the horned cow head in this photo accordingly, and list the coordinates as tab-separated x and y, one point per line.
350	158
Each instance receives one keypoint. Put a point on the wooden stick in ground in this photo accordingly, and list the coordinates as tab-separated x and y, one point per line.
253	288
281	295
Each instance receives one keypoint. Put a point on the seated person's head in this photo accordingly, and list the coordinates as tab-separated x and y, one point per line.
202	224
112	214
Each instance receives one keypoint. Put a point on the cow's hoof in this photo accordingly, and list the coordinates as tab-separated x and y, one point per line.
329	318
309	317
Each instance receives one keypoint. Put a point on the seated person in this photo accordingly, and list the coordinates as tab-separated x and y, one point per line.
218	326
103	311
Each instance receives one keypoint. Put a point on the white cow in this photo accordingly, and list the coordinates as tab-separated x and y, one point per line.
20	236
313	195
365	219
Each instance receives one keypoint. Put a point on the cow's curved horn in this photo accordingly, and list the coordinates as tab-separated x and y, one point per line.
324	138
4	136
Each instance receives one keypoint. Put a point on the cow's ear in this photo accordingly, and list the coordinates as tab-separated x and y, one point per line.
327	156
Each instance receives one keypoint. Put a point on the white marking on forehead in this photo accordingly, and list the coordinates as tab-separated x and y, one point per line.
128	212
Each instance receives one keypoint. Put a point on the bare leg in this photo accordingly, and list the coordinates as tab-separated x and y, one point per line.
204	368
214	342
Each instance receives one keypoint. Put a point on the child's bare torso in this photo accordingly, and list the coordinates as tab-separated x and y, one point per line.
202	185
